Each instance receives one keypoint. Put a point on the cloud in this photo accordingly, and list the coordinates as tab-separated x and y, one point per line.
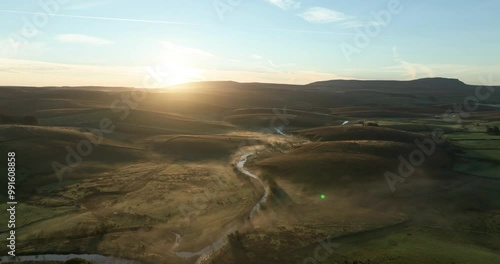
179	50
256	56
285	4
321	15
104	18
170	52
9	48
82	39
312	31
85	5
40	73
412	70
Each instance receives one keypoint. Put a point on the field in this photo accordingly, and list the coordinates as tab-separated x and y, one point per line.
155	179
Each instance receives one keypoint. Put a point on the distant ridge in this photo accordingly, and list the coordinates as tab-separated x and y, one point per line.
437	82
440	81
427	83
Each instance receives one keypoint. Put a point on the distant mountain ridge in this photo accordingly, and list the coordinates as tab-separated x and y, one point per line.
437	82
350	84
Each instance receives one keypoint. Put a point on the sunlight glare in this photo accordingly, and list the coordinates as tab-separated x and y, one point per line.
174	73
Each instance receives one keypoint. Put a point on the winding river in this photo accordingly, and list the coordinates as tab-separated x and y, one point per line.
207	252
100	259
240	165
204	254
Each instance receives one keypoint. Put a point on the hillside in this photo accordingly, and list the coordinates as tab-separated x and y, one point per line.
286	166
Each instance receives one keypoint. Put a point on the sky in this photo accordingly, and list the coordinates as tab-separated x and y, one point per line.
157	43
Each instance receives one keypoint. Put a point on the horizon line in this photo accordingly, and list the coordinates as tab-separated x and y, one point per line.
232	81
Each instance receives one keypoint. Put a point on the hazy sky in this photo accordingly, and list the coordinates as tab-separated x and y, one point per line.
125	42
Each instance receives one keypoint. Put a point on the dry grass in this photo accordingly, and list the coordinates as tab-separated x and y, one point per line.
176	146
350	132
345	162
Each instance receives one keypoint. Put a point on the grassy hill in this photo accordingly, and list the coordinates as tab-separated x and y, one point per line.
345	162
338	133
168	168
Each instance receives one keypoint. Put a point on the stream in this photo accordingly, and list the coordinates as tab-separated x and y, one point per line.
209	250
100	259
204	254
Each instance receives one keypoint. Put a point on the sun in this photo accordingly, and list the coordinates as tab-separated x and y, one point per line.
174	73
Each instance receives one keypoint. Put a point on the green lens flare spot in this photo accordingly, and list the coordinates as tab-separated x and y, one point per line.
323	196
